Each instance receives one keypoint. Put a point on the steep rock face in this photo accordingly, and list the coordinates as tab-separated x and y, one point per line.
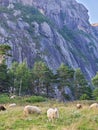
58	33
62	12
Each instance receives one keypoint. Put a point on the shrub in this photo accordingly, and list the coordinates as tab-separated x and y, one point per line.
4	98
84	97
95	93
34	99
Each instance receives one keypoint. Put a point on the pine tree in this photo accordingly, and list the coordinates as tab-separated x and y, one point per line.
95	83
65	79
4	78
81	86
42	76
65	75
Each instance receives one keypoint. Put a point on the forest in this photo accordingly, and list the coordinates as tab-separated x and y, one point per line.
40	80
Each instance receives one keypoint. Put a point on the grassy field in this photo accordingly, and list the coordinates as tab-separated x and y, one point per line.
70	117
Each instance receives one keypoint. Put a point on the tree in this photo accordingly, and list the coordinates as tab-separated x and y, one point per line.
13	77
95	83
95	80
65	75
20	77
95	93
42	77
4	52
22	74
81	86
65	78
4	78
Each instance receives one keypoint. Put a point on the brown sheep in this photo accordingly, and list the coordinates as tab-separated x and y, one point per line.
79	106
2	108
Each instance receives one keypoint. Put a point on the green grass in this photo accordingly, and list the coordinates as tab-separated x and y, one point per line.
70	118
4	98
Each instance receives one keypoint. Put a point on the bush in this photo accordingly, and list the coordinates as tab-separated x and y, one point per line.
84	97
4	98
95	93
34	99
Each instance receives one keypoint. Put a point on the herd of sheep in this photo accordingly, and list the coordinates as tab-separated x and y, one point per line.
52	113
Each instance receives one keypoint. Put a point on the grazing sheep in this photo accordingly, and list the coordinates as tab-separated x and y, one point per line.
79	106
12	105
52	114
31	109
12	97
2	108
94	105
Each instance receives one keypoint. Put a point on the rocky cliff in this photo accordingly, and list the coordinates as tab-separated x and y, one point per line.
56	31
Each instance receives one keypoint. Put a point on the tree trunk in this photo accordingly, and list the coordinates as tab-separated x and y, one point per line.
47	90
20	87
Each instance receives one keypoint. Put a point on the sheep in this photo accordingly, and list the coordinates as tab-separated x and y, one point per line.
13	96
94	105
79	106
52	114
31	109
2	108
12	105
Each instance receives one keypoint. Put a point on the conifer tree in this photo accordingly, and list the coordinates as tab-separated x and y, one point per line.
42	77
4	78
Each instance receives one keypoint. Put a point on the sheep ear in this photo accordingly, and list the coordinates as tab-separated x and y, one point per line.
56	109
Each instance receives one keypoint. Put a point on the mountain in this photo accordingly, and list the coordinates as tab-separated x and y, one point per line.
55	31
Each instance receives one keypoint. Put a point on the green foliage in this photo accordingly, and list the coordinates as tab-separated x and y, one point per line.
4	52
66	96
64	76
4	98
84	97
4	78
40	80
20	77
85	126
4	49
95	83
80	79
42	76
31	13
95	93
34	99
81	85
95	80
12	73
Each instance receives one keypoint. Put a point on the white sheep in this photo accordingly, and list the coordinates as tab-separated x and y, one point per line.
12	97
79	106
12	105
94	105
31	109
52	114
